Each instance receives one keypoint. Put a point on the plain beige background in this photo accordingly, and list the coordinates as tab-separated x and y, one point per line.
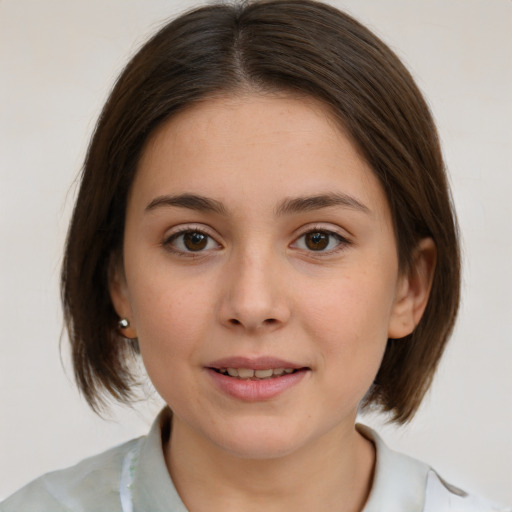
58	59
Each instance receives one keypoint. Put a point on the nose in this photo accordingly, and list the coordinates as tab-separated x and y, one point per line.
254	297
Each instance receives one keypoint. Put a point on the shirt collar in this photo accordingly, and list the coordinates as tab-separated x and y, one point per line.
398	484
399	481
153	488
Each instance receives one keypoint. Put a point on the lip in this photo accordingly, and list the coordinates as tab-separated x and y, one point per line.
248	390
257	363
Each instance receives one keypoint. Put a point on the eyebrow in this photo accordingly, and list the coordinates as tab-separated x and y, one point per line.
310	203
190	201
287	207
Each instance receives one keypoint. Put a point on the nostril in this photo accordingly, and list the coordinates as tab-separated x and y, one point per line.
268	321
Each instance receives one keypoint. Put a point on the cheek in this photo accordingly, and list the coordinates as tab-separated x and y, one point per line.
170	317
350	306
170	326
349	319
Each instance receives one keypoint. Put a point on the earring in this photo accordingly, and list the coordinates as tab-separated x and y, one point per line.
123	323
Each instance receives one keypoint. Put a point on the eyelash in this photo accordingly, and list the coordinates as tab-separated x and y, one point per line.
342	242
168	242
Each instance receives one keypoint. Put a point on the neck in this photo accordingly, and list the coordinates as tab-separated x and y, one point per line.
331	473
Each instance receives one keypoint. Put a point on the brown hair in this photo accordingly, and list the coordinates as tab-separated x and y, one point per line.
278	45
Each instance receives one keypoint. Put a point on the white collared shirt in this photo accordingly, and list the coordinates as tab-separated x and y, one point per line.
133	477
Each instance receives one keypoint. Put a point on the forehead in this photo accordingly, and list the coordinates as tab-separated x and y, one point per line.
255	144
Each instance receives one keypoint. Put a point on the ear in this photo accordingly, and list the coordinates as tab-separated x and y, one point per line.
413	290
118	289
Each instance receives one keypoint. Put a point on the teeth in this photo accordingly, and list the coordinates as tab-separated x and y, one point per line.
245	373
264	374
249	373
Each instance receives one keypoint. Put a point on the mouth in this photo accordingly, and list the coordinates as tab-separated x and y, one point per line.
259	374
256	379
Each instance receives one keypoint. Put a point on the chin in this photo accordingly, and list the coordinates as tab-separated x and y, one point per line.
260	449
260	440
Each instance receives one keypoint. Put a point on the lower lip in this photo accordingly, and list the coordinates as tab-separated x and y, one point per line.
256	390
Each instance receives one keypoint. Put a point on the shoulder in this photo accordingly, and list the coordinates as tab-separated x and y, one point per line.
81	487
440	496
404	484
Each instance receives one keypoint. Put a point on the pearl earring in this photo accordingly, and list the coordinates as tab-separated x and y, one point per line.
123	323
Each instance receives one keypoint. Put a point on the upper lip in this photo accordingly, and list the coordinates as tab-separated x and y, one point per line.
257	363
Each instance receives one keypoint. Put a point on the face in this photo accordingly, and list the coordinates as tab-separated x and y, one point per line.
260	273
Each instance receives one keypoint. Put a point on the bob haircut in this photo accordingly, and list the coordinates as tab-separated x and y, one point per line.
299	47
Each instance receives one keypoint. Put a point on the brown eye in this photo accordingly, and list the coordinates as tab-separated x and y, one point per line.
195	241
321	241
316	240
190	241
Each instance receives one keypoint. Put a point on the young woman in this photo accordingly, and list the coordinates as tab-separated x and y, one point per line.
264	217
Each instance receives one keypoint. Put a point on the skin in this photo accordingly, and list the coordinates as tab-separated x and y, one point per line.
258	289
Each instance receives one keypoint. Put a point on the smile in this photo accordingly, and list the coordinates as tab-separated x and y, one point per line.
249	373
255	380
